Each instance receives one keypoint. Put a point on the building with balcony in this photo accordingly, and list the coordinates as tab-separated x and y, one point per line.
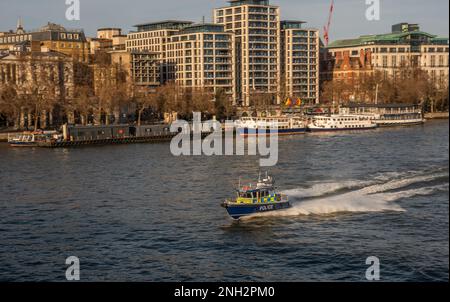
300	61
256	26
153	37
202	56
247	51
142	68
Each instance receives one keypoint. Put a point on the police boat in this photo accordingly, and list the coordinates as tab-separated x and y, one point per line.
256	199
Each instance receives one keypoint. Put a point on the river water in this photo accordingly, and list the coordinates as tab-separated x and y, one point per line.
137	213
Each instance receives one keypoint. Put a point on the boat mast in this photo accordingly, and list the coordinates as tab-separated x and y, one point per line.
376	95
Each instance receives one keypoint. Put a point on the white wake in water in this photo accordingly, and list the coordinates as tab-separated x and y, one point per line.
361	196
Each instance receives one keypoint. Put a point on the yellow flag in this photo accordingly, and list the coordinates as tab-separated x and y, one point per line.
289	102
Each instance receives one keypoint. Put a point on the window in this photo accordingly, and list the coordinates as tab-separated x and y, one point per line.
403	60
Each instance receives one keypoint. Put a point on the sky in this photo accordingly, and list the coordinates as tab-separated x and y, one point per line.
349	19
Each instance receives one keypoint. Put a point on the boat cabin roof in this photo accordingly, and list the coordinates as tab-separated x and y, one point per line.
255	190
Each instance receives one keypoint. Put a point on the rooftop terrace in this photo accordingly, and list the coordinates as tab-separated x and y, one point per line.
166	24
248	2
204	27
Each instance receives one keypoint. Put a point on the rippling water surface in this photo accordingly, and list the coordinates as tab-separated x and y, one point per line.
136	213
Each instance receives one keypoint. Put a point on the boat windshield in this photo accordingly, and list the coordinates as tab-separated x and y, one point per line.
245	195
264	193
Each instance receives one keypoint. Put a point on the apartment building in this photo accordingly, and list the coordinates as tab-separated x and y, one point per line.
256	26
300	61
202	55
153	37
247	51
142	67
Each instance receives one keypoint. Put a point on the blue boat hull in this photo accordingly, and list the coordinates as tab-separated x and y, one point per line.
254	132
238	211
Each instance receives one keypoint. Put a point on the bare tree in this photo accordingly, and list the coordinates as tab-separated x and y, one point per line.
262	101
43	95
202	100
327	93
10	104
144	100
83	102
224	108
169	98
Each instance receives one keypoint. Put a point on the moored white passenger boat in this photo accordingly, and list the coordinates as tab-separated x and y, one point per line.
341	123
387	115
390	120
26	139
282	125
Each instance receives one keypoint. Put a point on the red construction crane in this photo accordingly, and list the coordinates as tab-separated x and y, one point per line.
326	29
